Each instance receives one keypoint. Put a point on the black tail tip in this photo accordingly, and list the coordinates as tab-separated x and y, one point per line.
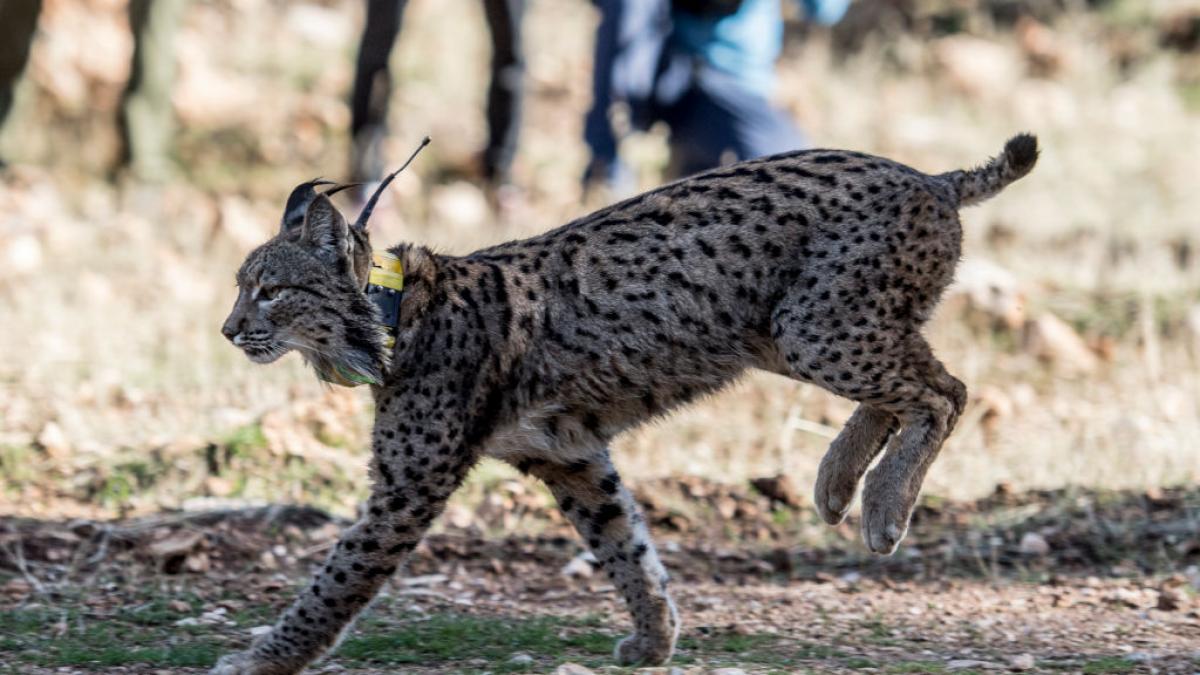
1021	151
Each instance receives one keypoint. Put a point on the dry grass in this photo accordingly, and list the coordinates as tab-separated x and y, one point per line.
109	349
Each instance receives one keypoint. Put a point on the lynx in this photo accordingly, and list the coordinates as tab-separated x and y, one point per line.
819	265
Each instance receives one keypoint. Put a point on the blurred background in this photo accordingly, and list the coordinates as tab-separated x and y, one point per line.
1075	322
137	173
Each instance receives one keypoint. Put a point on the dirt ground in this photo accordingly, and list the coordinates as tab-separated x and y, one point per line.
1080	582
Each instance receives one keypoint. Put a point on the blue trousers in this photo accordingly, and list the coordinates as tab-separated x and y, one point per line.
710	113
716	115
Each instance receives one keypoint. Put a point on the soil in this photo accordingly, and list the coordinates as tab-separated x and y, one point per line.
1042	582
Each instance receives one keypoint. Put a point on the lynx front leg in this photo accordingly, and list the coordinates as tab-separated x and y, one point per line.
405	501
591	495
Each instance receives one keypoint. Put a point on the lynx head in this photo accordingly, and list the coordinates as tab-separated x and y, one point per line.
303	290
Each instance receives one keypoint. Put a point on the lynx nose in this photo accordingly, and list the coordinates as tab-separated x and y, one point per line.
232	330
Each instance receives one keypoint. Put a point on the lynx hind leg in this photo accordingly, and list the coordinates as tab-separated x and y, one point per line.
891	371
928	405
591	495
851	453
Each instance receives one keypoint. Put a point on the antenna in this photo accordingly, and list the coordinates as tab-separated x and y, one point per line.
370	206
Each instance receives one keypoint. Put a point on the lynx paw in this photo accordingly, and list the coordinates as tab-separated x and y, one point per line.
884	518
833	493
643	650
246	663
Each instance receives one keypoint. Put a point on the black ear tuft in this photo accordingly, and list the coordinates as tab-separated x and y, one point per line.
339	187
298	202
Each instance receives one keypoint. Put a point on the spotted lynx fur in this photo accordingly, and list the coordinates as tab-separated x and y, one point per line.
818	265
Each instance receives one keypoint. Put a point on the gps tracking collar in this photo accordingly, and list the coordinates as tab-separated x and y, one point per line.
385	286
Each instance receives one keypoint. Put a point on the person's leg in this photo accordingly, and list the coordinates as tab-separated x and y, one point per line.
758	128
18	23
373	88
146	118
701	131
629	44
505	89
719	115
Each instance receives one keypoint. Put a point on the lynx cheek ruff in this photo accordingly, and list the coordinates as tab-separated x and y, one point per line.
385	288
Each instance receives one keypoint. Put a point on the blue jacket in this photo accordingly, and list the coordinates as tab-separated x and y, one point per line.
747	43
636	37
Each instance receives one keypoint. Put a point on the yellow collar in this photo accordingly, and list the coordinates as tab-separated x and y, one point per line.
386	271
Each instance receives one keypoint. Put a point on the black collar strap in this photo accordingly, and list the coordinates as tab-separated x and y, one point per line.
385	287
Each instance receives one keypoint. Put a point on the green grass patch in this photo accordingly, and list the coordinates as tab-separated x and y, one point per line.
916	667
246	441
72	634
1108	664
454	637
56	638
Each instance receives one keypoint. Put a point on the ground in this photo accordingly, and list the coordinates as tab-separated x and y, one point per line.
1081	582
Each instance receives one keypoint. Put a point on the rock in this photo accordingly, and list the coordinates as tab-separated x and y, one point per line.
209	618
727	671
1022	662
241	223
778	489
21	254
206	95
978	67
997	406
520	660
1170	599
1125	597
54	441
1054	341
177	543
16	587
972	664
424	580
573	669
581	566
260	630
991	291
459	516
1034	544
324	27
1040	45
215	616
726	507
460	204
197	562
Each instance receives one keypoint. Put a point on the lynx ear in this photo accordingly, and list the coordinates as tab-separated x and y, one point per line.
325	230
